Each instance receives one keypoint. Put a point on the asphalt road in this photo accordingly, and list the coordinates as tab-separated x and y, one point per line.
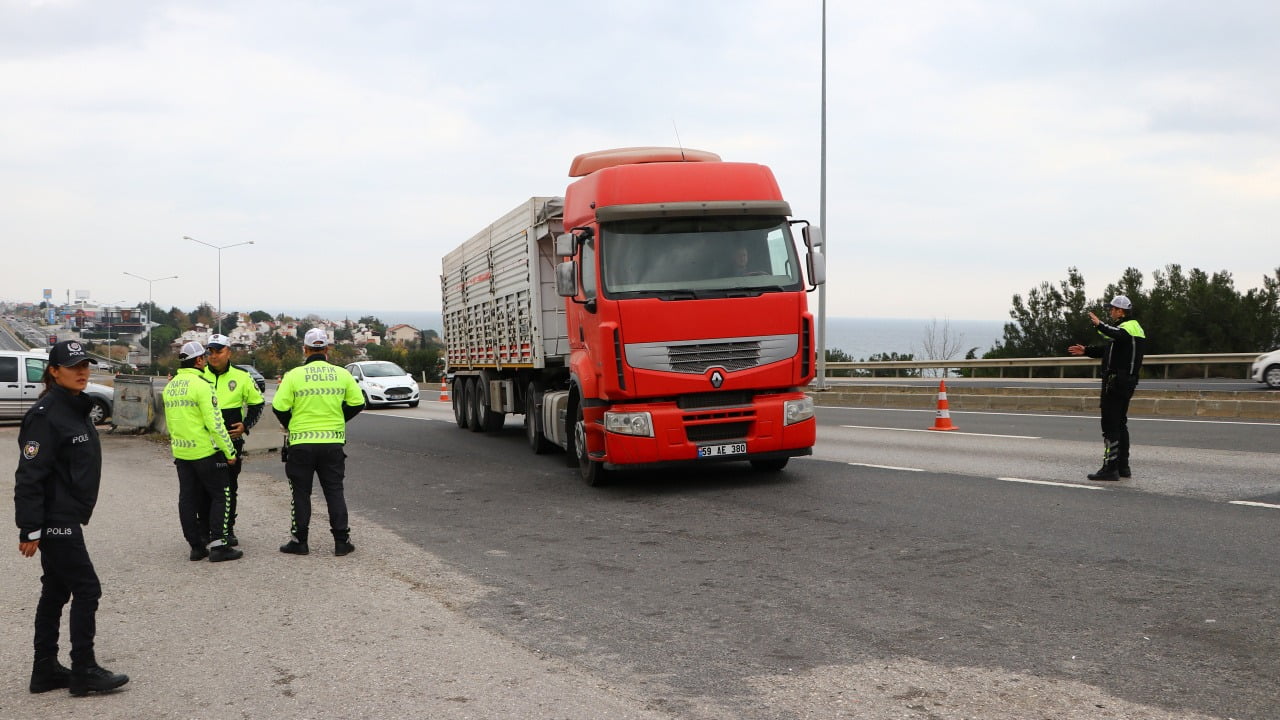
934	572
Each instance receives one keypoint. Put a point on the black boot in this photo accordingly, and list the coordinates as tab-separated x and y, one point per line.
94	678
1109	469
1124	470
198	552
232	540
343	547
295	547
48	674
222	553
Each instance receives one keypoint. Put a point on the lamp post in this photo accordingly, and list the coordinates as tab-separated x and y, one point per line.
219	248
151	358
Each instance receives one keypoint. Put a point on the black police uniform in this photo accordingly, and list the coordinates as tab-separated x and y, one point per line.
55	491
1121	367
231	416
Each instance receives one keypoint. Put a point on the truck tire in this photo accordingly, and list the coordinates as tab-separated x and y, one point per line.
459	412
538	442
469	401
592	472
770	464
489	420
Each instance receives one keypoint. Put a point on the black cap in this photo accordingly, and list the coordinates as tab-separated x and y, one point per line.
68	353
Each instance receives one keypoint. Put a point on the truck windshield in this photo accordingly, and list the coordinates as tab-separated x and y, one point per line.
705	256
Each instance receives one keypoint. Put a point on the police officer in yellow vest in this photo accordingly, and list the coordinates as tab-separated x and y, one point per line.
241	405
314	403
202	452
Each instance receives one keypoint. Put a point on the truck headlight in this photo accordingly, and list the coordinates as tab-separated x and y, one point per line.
794	411
629	423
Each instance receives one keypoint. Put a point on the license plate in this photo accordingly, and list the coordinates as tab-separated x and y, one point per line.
713	451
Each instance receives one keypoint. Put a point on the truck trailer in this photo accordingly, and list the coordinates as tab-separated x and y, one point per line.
655	314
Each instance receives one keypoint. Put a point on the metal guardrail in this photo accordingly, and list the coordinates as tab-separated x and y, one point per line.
1062	363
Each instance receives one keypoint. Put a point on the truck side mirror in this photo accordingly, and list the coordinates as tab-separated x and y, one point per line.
817	267
812	237
566	244
566	274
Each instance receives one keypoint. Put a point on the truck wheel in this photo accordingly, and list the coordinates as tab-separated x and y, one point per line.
489	420
470	400
592	472
459	413
770	465
538	443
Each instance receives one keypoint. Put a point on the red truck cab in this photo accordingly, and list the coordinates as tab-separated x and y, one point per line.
686	309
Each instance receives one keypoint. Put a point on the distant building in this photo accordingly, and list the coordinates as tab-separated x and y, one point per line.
402	334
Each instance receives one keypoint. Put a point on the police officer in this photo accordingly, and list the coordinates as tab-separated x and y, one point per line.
241	404
202	452
1121	354
55	492
314	403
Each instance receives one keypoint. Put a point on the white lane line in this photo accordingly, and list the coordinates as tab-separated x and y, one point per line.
1085	416
1077	486
405	417
888	467
1273	506
952	432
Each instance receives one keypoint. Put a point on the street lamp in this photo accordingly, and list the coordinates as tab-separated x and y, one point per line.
219	248
151	358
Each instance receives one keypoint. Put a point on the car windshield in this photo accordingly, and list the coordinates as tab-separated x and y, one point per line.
382	369
703	255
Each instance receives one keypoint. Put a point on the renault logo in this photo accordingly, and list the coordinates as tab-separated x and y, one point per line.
717	379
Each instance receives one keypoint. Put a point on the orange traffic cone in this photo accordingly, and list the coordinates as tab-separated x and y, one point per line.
943	420
444	390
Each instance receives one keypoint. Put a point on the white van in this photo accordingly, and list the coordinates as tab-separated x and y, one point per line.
20	373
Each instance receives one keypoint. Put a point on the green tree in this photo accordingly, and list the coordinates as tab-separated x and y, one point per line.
258	316
1044	325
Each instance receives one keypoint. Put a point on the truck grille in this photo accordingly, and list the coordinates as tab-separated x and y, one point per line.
698	356
718	431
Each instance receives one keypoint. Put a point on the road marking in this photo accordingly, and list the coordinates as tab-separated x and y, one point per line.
1250	503
1094	417
406	417
1077	486
888	467
953	432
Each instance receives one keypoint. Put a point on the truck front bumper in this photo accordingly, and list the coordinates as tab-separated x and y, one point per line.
757	431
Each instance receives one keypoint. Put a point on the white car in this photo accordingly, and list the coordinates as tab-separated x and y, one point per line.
1266	369
384	383
20	385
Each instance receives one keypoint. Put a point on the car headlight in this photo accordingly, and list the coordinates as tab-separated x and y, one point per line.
794	411
630	423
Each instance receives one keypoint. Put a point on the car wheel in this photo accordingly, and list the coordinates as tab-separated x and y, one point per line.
1271	376
99	413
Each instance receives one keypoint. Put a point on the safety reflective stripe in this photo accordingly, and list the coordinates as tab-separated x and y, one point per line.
320	391
339	435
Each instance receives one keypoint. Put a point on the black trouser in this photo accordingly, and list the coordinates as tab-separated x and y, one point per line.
1117	390
203	497
68	574
328	462
233	483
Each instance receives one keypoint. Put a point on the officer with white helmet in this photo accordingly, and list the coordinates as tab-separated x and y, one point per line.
1121	351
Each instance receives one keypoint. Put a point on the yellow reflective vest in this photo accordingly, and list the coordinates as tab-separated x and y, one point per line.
314	394
196	430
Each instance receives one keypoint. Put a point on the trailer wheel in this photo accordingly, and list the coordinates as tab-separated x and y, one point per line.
469	400
538	443
592	472
459	412
770	464
489	420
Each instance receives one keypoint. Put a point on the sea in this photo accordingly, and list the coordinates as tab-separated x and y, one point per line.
860	338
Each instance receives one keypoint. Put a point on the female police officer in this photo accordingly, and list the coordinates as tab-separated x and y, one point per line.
55	491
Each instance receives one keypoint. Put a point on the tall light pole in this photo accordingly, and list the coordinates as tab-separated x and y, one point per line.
219	248
822	212
151	357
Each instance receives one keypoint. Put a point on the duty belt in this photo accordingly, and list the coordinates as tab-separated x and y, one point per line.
335	435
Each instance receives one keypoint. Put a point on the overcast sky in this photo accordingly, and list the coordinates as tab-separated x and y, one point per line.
975	148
